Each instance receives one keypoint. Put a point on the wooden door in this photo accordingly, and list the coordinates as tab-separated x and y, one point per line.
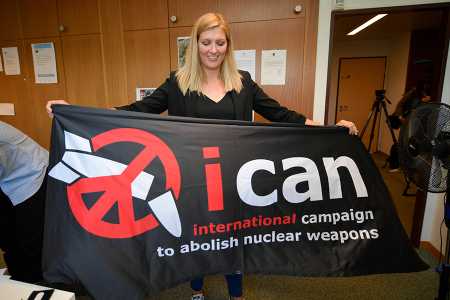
78	17
41	93
83	65
147	59
358	80
9	20
187	11
276	34
13	89
39	18
144	14
146	43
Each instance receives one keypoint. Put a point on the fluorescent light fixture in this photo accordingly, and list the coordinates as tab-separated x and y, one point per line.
367	24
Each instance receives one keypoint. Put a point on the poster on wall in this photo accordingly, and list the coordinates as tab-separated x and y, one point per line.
246	61
44	62
182	45
141	93
11	60
273	67
7	109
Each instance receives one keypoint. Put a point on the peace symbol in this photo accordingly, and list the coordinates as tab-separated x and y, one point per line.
117	188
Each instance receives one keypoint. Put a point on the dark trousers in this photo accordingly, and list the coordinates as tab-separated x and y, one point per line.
393	159
234	282
21	235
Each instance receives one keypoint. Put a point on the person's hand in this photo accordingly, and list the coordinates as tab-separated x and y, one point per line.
310	122
48	107
350	125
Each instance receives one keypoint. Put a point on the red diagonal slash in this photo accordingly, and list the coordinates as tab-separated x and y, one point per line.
117	188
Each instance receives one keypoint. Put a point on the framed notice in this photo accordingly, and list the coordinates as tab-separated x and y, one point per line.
141	93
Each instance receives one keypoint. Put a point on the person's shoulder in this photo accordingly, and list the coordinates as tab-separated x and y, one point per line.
172	79
245	74
245	77
172	75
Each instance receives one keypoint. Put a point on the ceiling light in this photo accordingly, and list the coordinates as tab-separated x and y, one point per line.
367	24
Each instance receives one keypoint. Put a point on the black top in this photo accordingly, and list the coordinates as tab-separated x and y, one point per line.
169	97
209	109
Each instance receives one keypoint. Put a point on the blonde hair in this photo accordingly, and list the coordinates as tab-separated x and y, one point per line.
191	75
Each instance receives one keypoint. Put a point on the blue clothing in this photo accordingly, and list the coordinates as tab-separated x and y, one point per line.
234	283
23	164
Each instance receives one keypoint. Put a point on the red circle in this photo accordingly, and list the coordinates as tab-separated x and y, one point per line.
117	188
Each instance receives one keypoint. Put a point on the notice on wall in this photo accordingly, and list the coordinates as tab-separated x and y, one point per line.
141	93
7	109
246	61
11	61
182	45
44	62
273	67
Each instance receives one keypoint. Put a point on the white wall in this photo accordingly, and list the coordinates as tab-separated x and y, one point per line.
433	211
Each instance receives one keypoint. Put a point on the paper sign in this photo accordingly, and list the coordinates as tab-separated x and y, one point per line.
246	61
44	62
182	45
7	109
141	93
11	61
273	67
12	289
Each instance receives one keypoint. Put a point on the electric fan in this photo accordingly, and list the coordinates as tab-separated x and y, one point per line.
424	153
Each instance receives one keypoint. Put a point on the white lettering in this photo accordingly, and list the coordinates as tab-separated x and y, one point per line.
244	182
334	181
311	176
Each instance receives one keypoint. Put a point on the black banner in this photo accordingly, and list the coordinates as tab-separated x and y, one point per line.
138	203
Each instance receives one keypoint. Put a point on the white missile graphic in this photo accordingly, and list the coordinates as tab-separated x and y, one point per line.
79	157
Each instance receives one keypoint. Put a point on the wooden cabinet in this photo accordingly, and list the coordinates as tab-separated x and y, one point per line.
147	59
78	17
84	70
144	14
13	89
74	29
48	18
276	34
38	18
39	122
9	20
187	11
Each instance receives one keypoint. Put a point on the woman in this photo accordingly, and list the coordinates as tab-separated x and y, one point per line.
210	86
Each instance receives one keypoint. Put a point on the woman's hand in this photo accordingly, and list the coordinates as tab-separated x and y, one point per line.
350	125
48	107
310	122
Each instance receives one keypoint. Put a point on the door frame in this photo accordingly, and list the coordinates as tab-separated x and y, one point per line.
420	204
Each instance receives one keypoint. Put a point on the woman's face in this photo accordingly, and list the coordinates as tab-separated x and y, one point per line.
212	46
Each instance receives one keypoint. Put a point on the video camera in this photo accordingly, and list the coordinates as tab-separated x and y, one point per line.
379	94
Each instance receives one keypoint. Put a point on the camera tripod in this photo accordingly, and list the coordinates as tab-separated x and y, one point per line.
378	107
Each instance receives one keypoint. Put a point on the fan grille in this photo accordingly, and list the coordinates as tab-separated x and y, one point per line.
427	129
